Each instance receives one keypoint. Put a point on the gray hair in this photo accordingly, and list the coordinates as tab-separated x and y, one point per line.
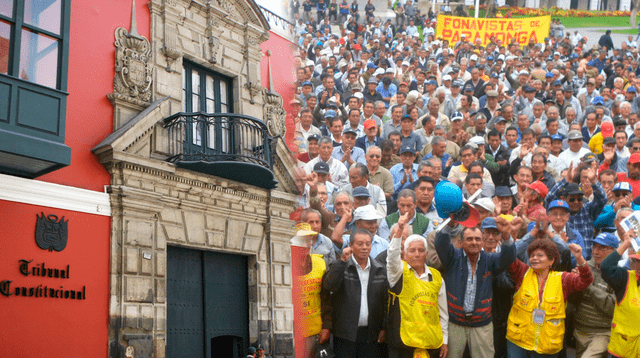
437	139
406	228
378	148
408	193
424	163
305	213
414	238
623	211
625	103
344	192
325	140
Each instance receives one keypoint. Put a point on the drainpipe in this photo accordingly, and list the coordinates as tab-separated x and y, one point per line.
270	276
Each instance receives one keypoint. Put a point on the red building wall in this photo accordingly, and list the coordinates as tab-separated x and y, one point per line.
54	327
283	72
91	71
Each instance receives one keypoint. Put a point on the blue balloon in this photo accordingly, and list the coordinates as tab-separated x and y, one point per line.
448	198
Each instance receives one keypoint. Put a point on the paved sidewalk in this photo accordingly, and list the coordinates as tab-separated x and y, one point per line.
593	35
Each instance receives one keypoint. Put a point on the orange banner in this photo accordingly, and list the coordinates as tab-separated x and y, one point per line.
523	29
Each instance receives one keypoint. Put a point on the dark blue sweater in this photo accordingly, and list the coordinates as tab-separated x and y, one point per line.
455	272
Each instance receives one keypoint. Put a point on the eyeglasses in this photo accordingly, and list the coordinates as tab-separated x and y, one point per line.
374	155
635	148
619	194
571	200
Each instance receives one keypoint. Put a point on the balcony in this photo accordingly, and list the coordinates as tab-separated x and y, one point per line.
227	145
32	128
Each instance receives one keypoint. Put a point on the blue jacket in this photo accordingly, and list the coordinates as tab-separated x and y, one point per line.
360	142
455	272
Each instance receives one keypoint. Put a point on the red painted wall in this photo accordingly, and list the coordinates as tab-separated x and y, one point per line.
91	72
283	72
50	327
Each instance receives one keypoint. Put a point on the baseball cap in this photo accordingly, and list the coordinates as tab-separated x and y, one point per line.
574	134
539	188
623	185
456	84
321	167
597	100
559	204
634	158
457	116
607	129
350	130
608	140
549	75
485	203
524	72
631	90
478	140
372	65
606	239
406	117
366	212
361	192
589	158
446	78
369	123
489	223
529	89
572	189
503	192
379	71
315	137
556	137
390	70
494	75
305	83
557	83
473	57
407	149
330	113
492	93
468	87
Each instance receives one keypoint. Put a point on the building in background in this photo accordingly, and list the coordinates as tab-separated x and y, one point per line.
152	145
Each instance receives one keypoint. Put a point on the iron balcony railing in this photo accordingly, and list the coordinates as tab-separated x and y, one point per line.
218	137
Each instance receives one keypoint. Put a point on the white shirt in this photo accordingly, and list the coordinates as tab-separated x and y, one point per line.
567	157
363	275
394	274
337	170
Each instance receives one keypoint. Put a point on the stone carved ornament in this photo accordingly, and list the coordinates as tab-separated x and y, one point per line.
274	113
133	65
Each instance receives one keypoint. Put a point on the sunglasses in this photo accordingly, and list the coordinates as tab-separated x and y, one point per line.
636	148
619	194
374	155
576	199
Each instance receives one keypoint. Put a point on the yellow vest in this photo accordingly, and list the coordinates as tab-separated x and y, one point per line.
419	311
545	338
625	327
310	296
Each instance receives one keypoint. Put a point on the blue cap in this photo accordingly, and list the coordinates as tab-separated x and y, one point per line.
557	83
575	55
489	223
432	82
371	65
330	114
623	185
591	63
490	58
556	137
407	149
559	204
503	192
494	75
307	83
529	89
597	100
631	89
361	192
606	239
549	75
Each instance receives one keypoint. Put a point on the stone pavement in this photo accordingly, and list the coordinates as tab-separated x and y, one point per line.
593	35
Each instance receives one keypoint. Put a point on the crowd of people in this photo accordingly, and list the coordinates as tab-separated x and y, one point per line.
542	139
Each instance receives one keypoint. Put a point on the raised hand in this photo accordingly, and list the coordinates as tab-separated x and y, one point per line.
346	254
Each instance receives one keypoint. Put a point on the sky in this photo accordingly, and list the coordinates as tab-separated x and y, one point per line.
276	6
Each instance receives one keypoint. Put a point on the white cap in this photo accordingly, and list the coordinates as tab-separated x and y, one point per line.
405	63
473	57
524	72
367	212
390	70
477	140
310	63
379	71
486	203
358	95
446	78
